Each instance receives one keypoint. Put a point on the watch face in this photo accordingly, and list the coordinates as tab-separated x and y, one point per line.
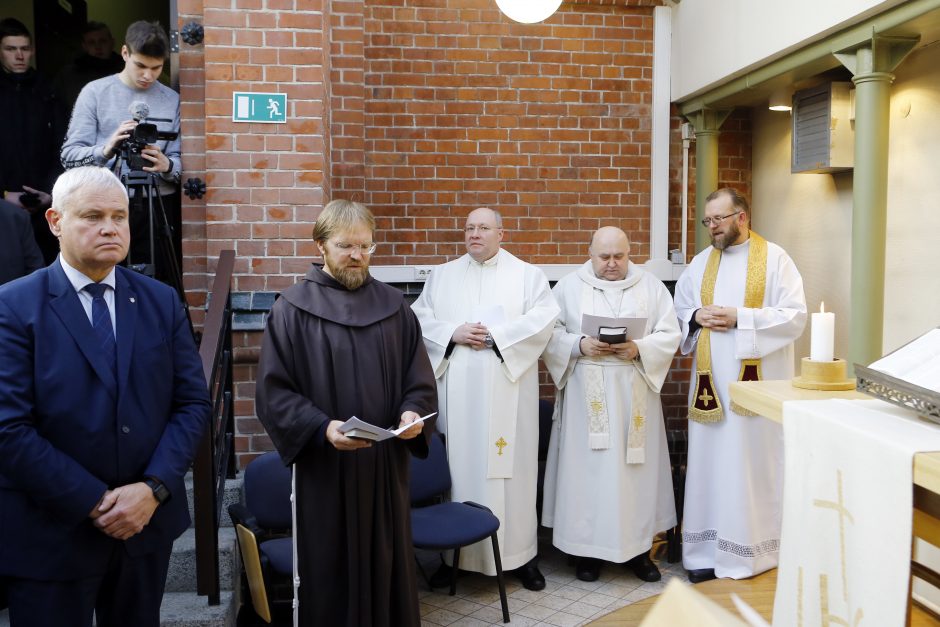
160	491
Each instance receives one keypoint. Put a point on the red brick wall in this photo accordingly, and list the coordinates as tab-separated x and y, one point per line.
266	182
423	113
734	152
441	110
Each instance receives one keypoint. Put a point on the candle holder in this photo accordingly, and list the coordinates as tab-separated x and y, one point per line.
823	375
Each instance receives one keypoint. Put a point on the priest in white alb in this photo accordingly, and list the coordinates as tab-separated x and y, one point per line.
741	306
486	317
608	486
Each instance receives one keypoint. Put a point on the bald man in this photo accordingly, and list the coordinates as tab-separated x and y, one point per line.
486	317
608	488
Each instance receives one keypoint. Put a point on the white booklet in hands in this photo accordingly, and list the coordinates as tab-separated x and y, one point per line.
355	428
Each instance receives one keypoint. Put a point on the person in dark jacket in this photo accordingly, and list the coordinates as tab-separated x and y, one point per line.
97	60
32	126
19	254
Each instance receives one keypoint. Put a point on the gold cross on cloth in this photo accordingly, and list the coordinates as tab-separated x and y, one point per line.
501	444
705	397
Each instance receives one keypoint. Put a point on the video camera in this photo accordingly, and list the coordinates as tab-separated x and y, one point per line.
143	134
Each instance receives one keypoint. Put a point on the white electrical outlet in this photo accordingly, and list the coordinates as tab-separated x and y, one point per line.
422	272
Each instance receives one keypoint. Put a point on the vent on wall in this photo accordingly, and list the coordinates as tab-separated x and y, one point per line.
823	138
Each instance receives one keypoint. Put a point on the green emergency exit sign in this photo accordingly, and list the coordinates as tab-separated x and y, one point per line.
259	107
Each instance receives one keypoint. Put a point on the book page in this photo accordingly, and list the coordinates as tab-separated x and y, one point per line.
354	427
488	315
917	362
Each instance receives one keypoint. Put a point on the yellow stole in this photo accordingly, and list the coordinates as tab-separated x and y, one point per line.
705	406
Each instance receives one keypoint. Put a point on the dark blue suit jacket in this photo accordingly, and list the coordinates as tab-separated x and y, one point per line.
68	433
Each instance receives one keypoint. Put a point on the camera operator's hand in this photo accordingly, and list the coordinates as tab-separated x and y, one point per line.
30	199
119	135
153	154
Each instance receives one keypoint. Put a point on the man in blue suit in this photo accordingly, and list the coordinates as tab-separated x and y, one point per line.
97	426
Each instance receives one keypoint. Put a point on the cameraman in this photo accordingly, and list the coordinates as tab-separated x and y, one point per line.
101	123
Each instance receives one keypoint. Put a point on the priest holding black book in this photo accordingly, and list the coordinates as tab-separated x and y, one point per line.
341	344
608	488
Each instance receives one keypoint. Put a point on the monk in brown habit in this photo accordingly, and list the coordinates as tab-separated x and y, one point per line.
341	344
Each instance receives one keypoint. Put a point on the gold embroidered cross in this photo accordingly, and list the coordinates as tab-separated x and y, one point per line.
705	397
501	444
638	422
596	407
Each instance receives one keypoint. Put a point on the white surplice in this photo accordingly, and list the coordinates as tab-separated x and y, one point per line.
733	491
599	505
488	408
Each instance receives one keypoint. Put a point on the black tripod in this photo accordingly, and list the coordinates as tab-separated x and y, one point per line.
161	262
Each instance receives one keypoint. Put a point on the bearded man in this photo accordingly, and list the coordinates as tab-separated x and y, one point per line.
741	306
341	344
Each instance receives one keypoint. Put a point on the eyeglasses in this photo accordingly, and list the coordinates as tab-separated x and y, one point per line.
708	222
483	229
348	249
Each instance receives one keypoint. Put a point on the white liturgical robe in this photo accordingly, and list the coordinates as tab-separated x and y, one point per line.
734	478
600	505
489	408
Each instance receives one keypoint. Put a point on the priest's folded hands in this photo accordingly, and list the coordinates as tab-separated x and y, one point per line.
472	334
593	347
717	318
626	351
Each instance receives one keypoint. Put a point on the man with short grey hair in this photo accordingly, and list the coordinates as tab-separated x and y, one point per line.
103	404
486	317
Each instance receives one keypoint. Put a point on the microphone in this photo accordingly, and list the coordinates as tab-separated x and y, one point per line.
139	109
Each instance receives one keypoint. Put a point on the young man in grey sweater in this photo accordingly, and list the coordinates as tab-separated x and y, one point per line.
103	120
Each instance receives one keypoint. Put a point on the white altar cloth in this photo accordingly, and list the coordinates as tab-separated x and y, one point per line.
847	517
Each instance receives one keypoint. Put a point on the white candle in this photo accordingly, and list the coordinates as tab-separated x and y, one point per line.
822	334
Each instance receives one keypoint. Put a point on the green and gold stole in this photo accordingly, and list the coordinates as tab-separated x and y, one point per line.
705	406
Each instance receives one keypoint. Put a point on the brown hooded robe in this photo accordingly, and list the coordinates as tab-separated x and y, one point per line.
330	353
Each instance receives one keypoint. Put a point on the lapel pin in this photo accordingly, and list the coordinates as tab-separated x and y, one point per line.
132	299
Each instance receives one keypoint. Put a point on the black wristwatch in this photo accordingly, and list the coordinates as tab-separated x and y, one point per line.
159	490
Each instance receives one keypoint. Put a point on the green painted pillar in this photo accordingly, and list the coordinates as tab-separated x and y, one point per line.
871	65
706	123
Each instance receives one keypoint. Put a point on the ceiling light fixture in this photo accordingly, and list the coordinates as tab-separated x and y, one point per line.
781	99
528	11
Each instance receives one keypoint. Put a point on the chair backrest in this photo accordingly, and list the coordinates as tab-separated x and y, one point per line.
430	477
267	491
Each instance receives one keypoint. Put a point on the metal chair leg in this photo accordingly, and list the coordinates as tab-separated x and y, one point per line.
674	535
424	574
454	571
499	578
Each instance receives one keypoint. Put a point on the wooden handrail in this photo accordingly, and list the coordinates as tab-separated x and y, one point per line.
215	461
218	304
